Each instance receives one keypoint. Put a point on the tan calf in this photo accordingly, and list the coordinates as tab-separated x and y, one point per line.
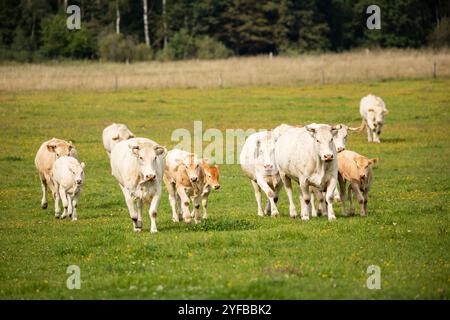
44	160
357	170
184	178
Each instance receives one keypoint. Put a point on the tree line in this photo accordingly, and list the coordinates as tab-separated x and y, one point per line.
124	30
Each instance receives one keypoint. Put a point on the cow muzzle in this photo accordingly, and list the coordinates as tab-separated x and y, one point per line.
328	157
268	166
79	182
217	187
194	179
150	177
340	149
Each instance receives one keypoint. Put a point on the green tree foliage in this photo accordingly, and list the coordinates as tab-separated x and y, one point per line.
58	41
211	28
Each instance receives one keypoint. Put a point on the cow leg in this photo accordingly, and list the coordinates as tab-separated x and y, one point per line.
56	197
74	206
288	187
63	195
322	206
329	197
173	204
196	204
138	205
270	195
376	138
132	210
305	199
69	205
369	134
257	189
184	204
205	205
360	198
44	203
313	207
153	210
366	193
350	198
342	185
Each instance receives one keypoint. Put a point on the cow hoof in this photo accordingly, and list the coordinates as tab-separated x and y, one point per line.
176	219
275	214
205	217
260	214
63	217
197	221
57	215
293	216
331	218
305	218
153	230
74	219
137	229
44	205
188	220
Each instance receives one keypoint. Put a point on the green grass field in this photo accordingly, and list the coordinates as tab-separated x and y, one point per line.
235	254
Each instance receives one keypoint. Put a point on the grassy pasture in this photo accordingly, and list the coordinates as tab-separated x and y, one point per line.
235	254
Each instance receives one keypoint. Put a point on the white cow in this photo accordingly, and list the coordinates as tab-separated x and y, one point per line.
138	166
257	160
68	179
340	141
308	156
113	134
372	110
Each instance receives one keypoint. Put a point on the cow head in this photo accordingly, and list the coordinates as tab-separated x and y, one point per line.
340	139
265	154
147	157
61	147
77	171
364	165
192	166
123	133
211	174
324	139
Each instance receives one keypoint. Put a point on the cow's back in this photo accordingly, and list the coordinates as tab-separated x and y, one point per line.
295	152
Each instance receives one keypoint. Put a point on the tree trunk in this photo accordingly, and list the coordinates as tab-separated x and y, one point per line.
164	23
147	37
117	17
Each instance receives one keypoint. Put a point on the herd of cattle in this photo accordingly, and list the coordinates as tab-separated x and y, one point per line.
313	155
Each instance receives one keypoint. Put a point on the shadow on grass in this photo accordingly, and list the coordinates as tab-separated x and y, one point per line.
392	140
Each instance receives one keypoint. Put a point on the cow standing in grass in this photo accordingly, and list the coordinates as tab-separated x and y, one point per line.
357	170
308	156
68	179
46	156
184	178
372	110
138	166
113	134
258	163
340	141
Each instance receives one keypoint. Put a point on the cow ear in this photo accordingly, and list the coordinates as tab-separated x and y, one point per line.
83	165
386	111
134	148
160	150
115	137
51	147
131	136
311	131
373	161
